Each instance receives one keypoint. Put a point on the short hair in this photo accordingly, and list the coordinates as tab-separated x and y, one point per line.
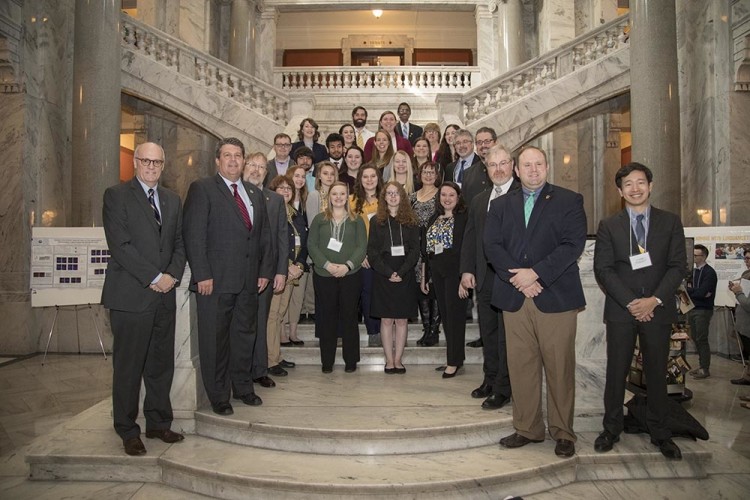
487	130
403	104
256	154
304	151
231	141
495	150
281	135
357	108
138	147
278	181
626	170
465	133
432	126
460	203
334	138
312	122
435	167
702	248
527	148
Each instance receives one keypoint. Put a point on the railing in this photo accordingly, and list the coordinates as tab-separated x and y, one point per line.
204	69
378	78
542	70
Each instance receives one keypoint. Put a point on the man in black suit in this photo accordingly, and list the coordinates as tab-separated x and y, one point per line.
228	243
405	129
477	274
267	349
533	238
467	168
143	226
639	261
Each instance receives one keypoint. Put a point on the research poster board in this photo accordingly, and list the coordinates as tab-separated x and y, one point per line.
725	254
68	265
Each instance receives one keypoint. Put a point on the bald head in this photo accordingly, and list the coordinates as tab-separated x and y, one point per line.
148	161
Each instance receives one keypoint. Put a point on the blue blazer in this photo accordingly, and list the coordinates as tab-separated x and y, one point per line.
551	246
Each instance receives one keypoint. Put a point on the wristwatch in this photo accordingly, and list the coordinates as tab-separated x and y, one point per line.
658	301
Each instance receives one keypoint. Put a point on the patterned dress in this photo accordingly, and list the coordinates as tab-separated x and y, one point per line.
423	211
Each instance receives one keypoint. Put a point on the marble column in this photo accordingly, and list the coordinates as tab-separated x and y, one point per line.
654	97
487	43
265	48
242	36
510	31
96	108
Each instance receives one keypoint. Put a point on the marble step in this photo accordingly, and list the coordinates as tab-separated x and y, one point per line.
309	354
306	331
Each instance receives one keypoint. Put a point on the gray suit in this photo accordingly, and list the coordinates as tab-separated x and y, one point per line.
142	320
220	247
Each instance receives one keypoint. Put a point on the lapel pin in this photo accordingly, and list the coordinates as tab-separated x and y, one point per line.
547	197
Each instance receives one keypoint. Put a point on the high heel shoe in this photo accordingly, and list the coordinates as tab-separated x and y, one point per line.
451	375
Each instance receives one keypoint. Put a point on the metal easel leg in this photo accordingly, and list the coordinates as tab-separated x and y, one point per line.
98	334
52	329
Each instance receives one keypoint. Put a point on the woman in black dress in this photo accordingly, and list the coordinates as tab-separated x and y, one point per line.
393	250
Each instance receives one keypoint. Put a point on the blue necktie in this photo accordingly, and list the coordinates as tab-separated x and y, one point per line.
460	177
640	233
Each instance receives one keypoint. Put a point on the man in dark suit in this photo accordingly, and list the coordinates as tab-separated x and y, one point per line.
477	274
533	239
282	160
639	261
468	168
228	243
143	226
267	349
405	129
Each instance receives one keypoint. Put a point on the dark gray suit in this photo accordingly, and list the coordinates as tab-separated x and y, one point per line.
475	179
220	247
272	171
142	320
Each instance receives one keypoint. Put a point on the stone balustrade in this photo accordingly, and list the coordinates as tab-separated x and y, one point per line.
375	79
536	73
209	71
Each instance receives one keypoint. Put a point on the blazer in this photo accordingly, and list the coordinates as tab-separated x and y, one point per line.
401	144
621	284
218	244
473	257
272	171
415	132
550	245
320	152
279	230
139	249
379	247
475	180
449	255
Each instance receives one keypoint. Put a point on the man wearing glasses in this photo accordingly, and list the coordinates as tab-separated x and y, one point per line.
468	171
282	145
143	226
702	290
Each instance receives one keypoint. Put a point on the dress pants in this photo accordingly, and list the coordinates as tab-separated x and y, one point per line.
542	341
699	320
445	279
279	306
227	325
295	302
653	339
337	311
143	347
260	350
492	333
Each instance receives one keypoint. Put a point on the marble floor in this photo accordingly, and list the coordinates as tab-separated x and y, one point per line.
35	399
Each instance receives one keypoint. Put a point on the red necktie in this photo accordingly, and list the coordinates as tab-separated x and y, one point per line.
243	208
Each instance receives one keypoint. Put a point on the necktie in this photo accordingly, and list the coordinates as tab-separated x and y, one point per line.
405	128
528	206
360	141
640	233
460	177
243	208
151	200
497	192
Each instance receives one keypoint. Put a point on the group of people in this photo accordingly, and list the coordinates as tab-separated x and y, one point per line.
385	225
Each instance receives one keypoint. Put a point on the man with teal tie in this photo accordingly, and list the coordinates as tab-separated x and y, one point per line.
533	238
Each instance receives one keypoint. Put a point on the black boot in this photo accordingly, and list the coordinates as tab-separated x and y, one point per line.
424	312
434	336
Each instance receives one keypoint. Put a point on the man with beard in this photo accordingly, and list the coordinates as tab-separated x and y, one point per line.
359	120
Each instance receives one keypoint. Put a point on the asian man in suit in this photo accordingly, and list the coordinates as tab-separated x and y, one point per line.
533	239
143	226
639	261
228	243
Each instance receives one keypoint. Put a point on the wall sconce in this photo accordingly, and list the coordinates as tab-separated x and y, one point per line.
722	216
377	13
705	216
566	159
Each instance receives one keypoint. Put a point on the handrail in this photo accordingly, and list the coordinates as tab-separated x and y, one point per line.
540	71
207	70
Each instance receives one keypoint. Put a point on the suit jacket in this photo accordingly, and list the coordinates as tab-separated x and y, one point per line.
320	152
218	244
473	257
401	144
279	230
139	250
475	180
272	171
666	246
450	255
550	245
415	132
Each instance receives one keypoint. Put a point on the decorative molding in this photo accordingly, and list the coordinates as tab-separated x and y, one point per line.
742	80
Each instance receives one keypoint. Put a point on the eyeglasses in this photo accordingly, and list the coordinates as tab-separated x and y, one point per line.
147	162
283	188
283	144
391	193
429	172
255	165
503	163
465	142
486	142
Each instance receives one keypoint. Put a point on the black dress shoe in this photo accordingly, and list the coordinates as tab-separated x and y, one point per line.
668	448
482	391
166	435
451	375
605	441
134	446
288	343
298	342
440	368
475	343
351	368
287	364
565	448
495	402
265	381
390	371
278	371
327	369
222	408
431	340
400	371
516	440
740	381
250	399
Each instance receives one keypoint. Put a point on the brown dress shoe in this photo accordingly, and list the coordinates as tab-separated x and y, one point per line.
516	440
166	435
565	448
134	446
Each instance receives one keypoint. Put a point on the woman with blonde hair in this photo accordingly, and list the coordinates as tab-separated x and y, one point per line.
400	170
317	200
393	250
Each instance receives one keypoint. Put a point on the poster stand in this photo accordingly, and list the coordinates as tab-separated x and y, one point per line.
78	333
733	332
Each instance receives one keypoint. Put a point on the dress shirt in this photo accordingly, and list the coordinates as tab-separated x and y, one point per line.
634	220
282	167
498	191
146	187
469	162
243	194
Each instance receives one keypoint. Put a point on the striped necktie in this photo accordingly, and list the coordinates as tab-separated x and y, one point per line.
152	201
243	208
528	207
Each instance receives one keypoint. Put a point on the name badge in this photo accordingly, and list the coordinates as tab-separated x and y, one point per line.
335	245
398	251
438	248
297	241
640	261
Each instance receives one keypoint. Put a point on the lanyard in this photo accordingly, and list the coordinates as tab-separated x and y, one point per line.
400	229
338	230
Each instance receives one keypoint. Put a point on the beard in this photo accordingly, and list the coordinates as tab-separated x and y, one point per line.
359	123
